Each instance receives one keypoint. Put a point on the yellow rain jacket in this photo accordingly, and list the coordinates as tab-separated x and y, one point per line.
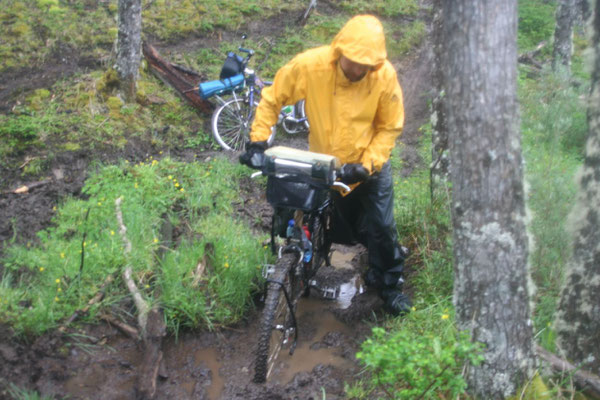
356	121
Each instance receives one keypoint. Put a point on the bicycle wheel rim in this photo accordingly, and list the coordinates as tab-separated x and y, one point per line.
230	125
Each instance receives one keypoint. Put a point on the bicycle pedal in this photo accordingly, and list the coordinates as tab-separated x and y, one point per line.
329	293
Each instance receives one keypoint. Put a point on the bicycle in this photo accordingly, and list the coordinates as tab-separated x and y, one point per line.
299	185
232	120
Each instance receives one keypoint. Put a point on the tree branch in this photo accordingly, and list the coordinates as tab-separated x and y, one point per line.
585	381
127	274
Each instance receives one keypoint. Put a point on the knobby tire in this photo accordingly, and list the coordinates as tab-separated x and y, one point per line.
276	311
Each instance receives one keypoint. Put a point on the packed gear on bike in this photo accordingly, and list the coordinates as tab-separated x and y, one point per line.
355	109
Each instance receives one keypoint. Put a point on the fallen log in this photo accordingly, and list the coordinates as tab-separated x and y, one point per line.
179	78
584	380
529	57
155	331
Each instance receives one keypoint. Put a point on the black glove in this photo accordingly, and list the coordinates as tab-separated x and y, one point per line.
353	173
254	156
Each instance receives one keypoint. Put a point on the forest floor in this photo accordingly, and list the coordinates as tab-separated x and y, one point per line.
99	362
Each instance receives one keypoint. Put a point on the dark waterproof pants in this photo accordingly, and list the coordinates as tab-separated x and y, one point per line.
366	215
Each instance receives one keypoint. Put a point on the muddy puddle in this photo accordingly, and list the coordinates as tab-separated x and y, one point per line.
313	346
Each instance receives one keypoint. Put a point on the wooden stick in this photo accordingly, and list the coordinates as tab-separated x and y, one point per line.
127	274
97	297
122	326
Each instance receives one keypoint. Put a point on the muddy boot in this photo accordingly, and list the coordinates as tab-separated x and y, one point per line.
395	302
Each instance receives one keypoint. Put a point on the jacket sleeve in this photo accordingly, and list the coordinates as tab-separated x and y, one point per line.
388	124
287	88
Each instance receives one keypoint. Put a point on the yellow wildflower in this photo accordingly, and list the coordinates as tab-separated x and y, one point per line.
176	184
57	280
181	190
170	177
42	269
445	316
99	203
59	290
56	299
226	265
414	309
62	255
155	240
112	233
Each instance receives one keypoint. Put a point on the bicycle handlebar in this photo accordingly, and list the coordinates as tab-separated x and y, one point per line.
337	184
247	51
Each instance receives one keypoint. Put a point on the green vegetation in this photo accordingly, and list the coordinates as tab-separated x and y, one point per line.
43	285
18	393
421	358
388	8
536	23
554	131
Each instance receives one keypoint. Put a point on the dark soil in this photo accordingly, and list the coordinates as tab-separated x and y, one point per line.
99	362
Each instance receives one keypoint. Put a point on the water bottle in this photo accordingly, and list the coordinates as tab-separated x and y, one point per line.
290	229
306	244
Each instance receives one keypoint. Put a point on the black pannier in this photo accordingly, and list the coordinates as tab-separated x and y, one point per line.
294	193
233	66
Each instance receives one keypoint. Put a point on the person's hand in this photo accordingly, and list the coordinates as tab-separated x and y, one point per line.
353	173
254	156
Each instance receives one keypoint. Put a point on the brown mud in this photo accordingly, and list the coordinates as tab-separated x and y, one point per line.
99	362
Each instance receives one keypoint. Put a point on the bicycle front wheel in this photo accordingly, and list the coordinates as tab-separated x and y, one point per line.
275	326
231	124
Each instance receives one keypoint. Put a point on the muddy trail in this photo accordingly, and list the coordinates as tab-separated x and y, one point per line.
100	362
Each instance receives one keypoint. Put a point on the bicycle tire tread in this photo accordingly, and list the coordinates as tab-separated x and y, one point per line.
274	295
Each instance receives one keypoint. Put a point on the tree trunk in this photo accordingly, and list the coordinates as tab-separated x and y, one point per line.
439	170
563	35
578	316
488	212
583	12
129	41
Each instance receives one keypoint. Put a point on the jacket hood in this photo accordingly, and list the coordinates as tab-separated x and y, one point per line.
361	40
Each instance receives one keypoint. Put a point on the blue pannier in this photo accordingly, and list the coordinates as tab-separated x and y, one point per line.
208	89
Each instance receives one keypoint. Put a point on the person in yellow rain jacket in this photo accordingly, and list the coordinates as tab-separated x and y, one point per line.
355	110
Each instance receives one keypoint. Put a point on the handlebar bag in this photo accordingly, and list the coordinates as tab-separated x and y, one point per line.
211	88
291	192
232	66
